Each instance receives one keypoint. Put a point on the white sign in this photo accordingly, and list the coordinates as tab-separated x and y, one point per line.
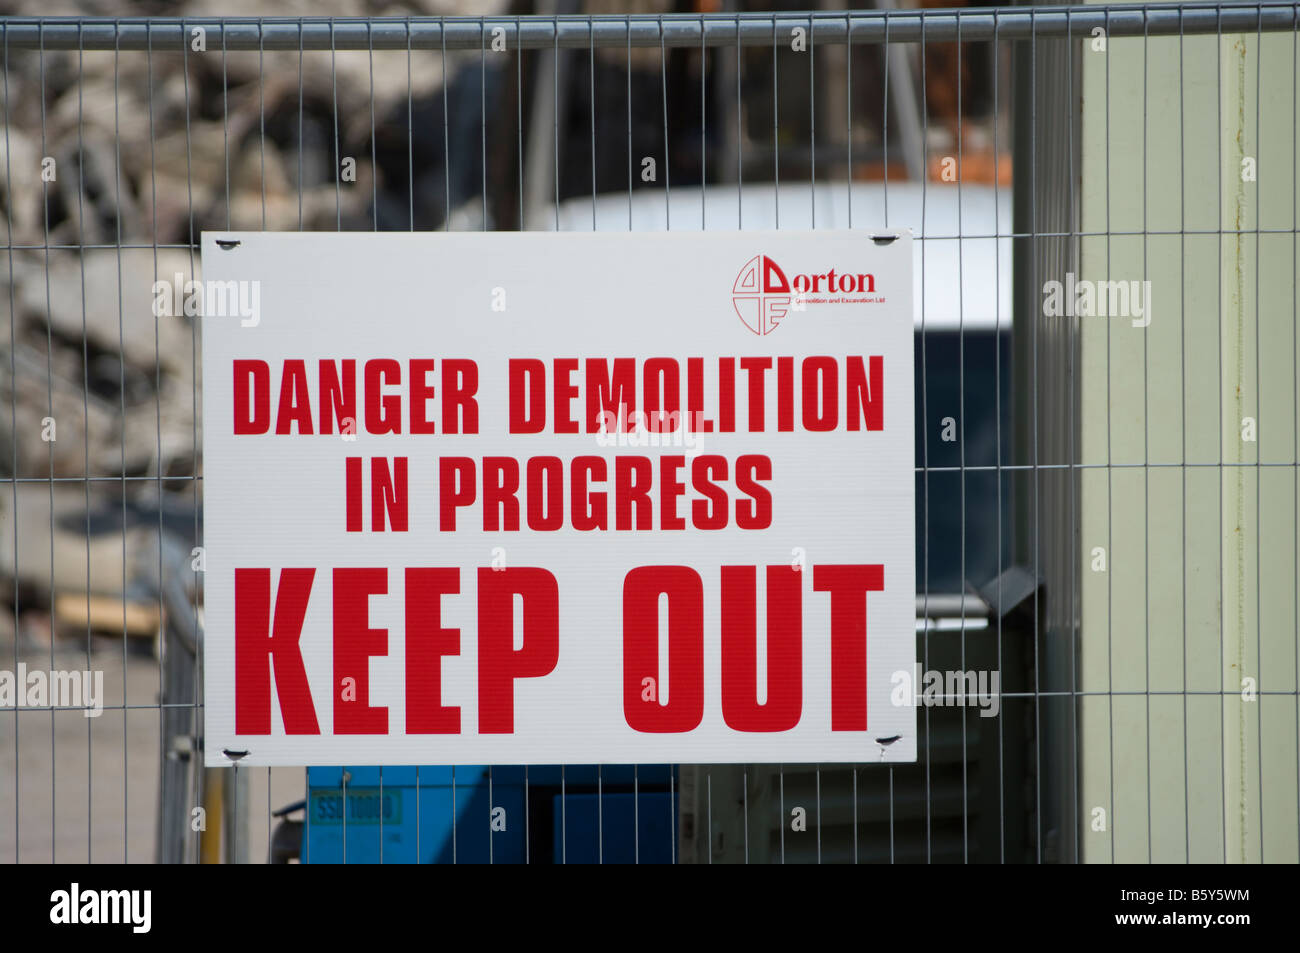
558	498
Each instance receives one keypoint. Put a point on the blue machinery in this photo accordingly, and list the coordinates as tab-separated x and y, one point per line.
575	814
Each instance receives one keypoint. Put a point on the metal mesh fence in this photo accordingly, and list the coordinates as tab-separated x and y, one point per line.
1105	201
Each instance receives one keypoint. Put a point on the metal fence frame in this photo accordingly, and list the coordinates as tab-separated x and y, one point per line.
1046	232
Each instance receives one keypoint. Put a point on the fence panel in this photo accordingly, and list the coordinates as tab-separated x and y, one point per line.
1105	200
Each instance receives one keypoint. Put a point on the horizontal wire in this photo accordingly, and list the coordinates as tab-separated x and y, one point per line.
1080	693
921	238
968	468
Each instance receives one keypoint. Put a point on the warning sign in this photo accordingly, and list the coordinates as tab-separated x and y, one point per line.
557	498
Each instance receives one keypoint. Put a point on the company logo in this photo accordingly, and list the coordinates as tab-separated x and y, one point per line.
763	296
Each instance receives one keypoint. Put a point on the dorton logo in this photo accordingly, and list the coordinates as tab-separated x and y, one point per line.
763	295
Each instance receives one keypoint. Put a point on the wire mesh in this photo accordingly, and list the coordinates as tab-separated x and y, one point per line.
1070	463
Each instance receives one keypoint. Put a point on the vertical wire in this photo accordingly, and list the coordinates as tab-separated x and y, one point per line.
628	28
1182	377
85	406
1295	396
338	171
704	181
117	198
410	193
891	813
1223	775
1146	443
812	203
196	725
672	815
343	781
410	186
1110	499
997	416
49	385
338	224
591	95
817	774
225	122
848	178
482	101
1259	454
261	120
884	119
636	787
848	143
482	61
1033	347
740	142
776	196
961	444
306	773
555	114
301	44
925	443
446	147
591	42
776	144
812	130
261	128
884	131
157	358
519	122
668	224
13	411
225	151
1071	256
663	82
374	204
